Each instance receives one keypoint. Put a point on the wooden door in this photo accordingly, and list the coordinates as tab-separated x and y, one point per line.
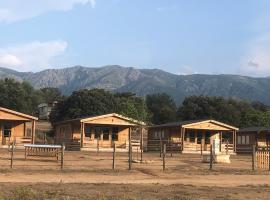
6	132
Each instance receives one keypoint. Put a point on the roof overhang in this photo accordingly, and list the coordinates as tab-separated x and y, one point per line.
12	115
199	124
206	124
125	120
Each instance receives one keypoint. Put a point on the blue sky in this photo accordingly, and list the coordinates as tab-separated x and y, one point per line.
179	36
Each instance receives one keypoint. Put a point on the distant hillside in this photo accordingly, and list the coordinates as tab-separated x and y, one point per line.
146	81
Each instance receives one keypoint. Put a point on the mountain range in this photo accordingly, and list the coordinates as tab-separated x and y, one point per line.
146	81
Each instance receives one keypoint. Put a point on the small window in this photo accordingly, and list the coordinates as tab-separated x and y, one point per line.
87	132
115	134
207	137
247	139
243	139
239	139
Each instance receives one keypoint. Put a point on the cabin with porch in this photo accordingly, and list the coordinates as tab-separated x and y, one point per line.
192	136
98	131
16	127
247	137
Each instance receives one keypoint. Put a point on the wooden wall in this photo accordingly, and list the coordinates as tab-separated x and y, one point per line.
17	132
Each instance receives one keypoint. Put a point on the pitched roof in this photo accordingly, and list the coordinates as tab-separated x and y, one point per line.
255	129
18	113
89	118
190	122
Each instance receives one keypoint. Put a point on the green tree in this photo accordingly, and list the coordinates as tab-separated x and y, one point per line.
239	113
92	102
17	96
49	95
161	107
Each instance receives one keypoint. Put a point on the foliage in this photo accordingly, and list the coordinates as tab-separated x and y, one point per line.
49	95
162	108
18	96
236	112
23	97
84	103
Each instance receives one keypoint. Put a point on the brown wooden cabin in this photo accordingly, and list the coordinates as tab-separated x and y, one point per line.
247	137
90	132
17	127
192	136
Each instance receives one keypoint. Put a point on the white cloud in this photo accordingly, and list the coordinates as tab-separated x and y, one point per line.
16	10
33	56
256	61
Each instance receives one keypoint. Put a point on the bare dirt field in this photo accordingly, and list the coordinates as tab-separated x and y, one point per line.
88	175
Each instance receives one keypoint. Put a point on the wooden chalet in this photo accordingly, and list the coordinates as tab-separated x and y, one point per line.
247	137
90	132
192	136
17	127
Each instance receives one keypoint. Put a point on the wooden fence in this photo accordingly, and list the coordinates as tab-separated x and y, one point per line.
262	157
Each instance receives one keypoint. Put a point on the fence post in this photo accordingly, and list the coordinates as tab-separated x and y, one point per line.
164	156
211	157
253	157
130	156
160	147
137	153
114	148
98	146
227	147
62	155
12	152
201	148
268	151
170	143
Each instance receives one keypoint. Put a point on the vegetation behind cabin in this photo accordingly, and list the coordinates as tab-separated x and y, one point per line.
155	108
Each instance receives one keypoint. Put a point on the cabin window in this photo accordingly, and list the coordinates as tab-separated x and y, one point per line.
115	134
7	129
105	132
159	134
191	136
207	137
199	137
155	135
162	134
87	131
243	139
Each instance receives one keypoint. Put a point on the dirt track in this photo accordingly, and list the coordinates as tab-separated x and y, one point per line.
186	176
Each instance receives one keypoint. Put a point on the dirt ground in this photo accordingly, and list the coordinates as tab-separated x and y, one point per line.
88	175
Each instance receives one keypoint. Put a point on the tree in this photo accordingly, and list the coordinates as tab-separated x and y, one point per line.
21	97
49	95
239	113
85	103
161	107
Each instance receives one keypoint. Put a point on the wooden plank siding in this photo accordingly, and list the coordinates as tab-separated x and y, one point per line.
192	137
84	131
20	126
246	140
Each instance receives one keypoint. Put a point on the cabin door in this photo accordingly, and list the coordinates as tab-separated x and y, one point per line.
6	132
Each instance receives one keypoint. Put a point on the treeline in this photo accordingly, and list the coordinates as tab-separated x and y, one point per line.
23	97
153	109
